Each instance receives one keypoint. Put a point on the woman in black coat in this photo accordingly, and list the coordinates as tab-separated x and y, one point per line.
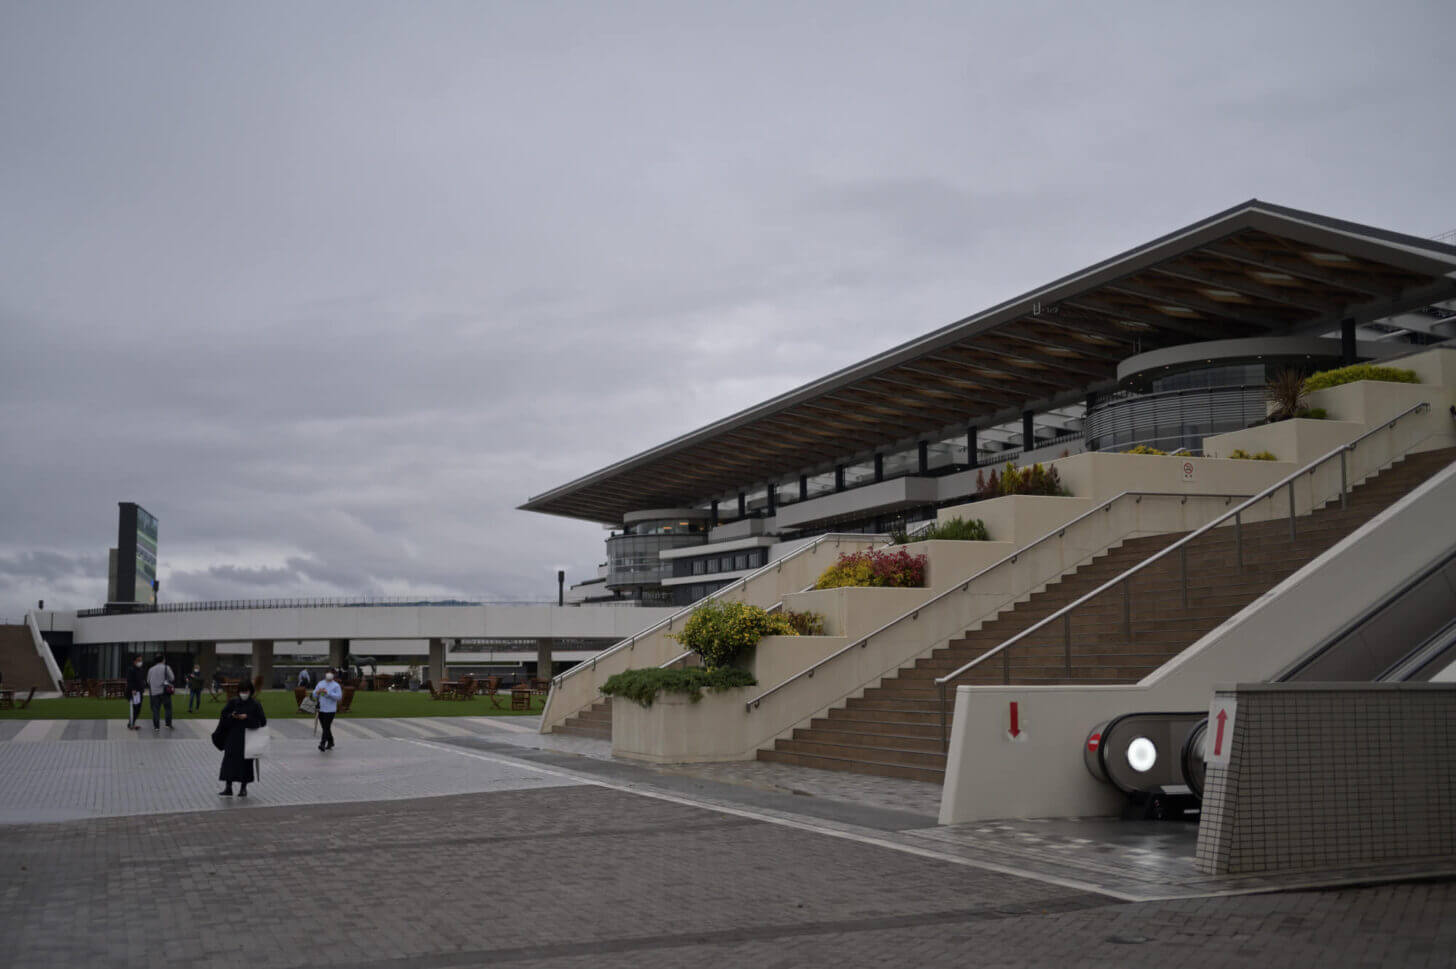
238	717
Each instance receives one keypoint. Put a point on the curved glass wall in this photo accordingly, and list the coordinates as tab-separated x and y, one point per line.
1175	417
632	559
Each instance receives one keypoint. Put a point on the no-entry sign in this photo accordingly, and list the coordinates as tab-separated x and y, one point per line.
1220	735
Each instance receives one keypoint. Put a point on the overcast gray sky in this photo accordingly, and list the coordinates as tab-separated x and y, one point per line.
331	287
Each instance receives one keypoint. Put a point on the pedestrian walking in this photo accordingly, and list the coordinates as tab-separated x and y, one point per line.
195	683
159	686
241	717
136	685
328	693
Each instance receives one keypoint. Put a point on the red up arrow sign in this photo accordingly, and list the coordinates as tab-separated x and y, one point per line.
1221	714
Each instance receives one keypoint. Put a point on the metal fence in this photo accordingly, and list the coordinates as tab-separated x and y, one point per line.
339	603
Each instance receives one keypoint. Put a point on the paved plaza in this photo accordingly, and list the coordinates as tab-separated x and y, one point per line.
463	842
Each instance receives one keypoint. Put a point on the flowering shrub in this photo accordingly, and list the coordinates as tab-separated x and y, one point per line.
721	631
874	568
1143	449
1239	454
1035	480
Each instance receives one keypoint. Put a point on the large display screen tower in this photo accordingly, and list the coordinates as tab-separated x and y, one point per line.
136	555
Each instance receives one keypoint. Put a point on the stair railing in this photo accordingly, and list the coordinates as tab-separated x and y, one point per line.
1064	614
968	584
735	586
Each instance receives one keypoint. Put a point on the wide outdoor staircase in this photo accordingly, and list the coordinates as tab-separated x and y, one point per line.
894	729
20	666
594	721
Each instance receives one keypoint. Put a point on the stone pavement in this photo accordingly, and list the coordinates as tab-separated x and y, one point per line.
529	854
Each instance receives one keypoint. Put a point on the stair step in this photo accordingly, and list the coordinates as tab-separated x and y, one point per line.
894	729
853	766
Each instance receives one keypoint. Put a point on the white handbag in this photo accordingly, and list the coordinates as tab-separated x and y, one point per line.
256	741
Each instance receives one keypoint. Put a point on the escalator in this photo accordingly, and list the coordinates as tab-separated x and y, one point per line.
1157	759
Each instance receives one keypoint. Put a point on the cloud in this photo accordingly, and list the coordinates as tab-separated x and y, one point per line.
332	311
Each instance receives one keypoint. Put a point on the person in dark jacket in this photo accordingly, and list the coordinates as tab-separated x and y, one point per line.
136	685
239	716
195	683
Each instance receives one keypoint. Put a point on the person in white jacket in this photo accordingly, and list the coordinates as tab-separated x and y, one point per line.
328	693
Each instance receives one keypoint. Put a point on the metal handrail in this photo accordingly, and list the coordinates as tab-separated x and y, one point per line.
964	586
630	641
1288	481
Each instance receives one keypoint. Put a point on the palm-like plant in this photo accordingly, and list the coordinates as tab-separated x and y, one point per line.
1286	392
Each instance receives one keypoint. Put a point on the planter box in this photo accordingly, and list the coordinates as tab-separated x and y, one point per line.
675	730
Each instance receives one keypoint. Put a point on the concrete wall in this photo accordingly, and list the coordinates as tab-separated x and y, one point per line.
1019	519
1042	775
1331	775
577	688
677	730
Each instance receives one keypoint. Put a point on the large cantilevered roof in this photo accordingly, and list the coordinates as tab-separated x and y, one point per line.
1253	270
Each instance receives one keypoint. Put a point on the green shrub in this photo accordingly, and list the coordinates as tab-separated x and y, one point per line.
68	672
720	632
874	568
1360	371
1239	454
1035	480
1313	413
806	623
1144	449
642	686
954	530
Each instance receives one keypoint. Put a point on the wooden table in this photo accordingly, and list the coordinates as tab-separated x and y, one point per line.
7	699
520	698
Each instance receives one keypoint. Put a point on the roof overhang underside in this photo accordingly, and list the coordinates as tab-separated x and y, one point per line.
1256	269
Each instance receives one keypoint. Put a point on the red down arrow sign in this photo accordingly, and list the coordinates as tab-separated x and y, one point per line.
1015	731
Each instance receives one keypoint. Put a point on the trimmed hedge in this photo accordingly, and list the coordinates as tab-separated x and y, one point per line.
1239	454
1360	371
642	686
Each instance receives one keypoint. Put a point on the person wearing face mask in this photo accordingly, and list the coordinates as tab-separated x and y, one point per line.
328	693
240	716
136	684
195	683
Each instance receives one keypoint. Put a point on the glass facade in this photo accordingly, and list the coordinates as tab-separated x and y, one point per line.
1180	411
734	561
633	559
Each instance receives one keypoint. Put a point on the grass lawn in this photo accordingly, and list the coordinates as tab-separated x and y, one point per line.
276	703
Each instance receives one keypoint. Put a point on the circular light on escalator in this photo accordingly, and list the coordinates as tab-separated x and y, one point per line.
1141	755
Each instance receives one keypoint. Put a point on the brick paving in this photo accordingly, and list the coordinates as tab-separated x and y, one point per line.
337	860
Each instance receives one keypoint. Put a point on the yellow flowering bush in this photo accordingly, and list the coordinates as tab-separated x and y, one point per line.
719	631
